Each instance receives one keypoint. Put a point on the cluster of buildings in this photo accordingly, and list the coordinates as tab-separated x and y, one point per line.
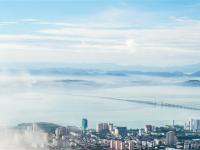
107	136
104	128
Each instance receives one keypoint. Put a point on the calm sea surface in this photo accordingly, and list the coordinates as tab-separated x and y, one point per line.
65	101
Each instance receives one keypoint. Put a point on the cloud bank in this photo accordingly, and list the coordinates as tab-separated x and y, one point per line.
113	35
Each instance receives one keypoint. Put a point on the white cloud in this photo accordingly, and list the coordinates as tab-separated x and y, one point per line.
5	23
131	45
104	42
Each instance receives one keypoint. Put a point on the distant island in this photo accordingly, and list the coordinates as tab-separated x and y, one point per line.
194	83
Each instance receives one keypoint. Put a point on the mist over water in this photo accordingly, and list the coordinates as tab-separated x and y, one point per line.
64	99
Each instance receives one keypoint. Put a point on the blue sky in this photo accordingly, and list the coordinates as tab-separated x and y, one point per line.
143	32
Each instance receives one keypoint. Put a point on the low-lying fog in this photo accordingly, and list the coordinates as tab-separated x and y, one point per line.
64	99
11	139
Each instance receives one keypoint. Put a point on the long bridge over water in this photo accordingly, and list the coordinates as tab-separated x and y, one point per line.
161	104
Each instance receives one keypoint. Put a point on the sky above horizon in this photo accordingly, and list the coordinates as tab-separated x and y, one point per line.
133	32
